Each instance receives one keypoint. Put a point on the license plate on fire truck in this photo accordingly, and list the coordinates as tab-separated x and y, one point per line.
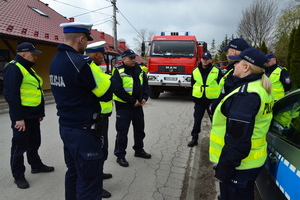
170	78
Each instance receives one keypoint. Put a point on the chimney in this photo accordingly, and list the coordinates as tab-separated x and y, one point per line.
123	45
71	19
102	34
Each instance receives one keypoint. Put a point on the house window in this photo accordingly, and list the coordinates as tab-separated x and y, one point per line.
38	11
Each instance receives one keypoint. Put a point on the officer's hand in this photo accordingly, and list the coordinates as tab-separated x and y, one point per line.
137	103
143	102
20	125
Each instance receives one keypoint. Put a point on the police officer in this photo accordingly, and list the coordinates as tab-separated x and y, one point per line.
24	94
130	95
234	47
239	127
226	85
205	84
78	87
279	76
96	52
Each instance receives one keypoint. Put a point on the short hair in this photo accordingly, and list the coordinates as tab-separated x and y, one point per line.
71	37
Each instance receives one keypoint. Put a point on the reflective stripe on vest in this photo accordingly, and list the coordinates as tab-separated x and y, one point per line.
127	82
106	107
211	87
258	152
277	87
31	89
102	81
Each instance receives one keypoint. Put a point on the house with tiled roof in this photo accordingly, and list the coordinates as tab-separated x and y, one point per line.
34	21
30	21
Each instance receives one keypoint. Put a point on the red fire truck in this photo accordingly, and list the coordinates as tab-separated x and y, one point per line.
171	60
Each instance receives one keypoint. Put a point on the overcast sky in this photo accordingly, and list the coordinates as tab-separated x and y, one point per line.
206	19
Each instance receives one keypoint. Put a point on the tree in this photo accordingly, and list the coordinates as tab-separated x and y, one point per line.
263	47
295	60
289	19
257	23
213	49
222	54
143	36
290	48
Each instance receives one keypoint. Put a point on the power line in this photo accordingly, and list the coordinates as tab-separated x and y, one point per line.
94	11
82	8
71	5
96	24
129	22
101	22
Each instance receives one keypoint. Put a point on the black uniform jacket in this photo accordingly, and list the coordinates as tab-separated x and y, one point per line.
139	92
13	78
72	83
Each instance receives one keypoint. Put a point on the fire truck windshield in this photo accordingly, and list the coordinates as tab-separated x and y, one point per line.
172	48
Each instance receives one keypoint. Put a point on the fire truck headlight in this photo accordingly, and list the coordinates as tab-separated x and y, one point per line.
151	78
188	79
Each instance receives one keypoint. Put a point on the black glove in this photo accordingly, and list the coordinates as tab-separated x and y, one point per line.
224	171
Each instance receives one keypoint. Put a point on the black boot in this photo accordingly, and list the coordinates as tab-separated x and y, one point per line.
192	143
105	194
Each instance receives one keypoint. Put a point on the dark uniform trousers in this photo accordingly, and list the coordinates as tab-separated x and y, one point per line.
241	187
84	159
124	117
28	141
104	127
199	110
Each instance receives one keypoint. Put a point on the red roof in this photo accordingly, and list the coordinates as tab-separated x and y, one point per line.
26	19
36	21
101	36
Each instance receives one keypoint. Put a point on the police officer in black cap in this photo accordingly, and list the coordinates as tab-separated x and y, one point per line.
279	76
130	95
205	84
239	127
226	85
24	94
78	87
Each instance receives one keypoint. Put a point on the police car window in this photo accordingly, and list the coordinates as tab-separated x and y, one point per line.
286	120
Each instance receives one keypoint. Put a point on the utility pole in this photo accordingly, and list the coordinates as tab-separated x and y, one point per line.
115	30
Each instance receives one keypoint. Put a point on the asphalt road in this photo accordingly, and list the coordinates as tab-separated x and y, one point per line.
168	119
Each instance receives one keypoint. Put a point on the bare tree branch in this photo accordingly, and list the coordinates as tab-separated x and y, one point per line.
144	36
258	22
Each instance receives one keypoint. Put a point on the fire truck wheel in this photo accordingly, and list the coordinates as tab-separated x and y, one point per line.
154	93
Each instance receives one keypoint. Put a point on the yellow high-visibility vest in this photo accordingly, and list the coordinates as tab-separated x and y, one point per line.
127	82
258	152
31	89
102	82
277	86
212	87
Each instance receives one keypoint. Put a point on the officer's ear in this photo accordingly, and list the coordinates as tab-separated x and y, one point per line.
23	54
246	66
81	39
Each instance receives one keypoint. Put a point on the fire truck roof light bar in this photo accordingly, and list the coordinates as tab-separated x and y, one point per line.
163	33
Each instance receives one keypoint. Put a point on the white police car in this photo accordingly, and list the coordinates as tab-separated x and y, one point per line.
280	177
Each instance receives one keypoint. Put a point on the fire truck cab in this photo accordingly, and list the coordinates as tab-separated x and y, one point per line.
171	61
